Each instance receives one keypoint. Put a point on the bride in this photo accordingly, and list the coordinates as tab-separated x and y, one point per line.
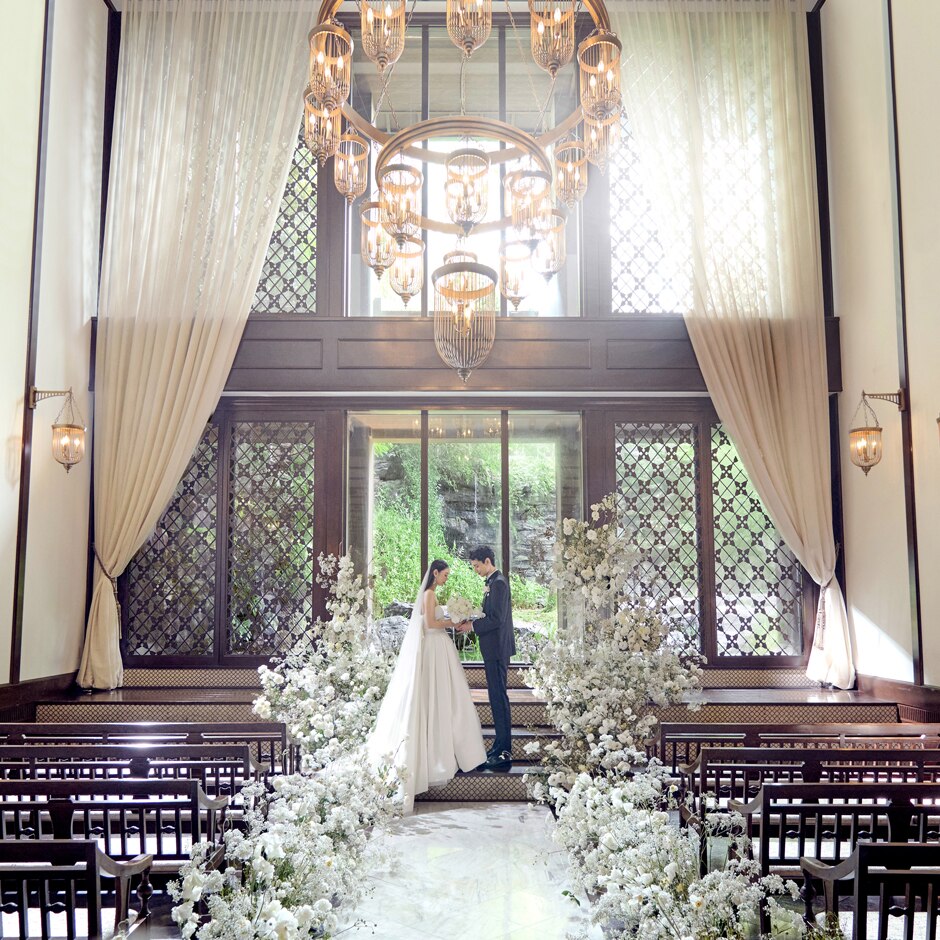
427	720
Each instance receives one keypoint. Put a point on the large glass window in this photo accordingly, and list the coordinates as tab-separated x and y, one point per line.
438	484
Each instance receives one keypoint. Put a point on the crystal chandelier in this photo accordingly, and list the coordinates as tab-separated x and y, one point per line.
464	311
541	171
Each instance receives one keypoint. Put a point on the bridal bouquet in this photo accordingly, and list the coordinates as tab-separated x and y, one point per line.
328	689
460	609
298	855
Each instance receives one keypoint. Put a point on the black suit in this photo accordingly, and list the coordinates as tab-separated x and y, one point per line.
497	644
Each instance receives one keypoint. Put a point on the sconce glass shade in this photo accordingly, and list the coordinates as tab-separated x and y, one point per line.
515	272
528	196
865	447
378	247
549	255
331	50
601	140
383	31
68	444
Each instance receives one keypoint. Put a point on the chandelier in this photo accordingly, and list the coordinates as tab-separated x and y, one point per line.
544	174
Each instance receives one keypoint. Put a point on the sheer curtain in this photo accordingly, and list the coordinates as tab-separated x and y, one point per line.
207	113
718	97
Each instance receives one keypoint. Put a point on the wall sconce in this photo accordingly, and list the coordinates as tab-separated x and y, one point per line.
865	441
68	435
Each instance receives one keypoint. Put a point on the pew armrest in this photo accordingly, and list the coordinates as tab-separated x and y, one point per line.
213	803
826	872
691	767
744	808
123	872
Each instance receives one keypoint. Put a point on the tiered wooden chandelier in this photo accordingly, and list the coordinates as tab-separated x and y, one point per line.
533	222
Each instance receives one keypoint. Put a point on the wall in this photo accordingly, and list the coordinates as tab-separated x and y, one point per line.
917	77
56	559
20	79
868	279
861	180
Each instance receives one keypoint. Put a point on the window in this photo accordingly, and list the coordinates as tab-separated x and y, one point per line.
228	575
712	559
425	485
288	282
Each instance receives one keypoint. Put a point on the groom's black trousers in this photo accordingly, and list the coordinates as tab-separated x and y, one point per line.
497	675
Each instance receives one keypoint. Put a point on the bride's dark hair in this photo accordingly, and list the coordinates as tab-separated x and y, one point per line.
436	565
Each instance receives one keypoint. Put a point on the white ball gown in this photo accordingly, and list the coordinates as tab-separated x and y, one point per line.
427	721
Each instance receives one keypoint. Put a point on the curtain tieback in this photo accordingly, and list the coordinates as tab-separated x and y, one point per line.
819	634
114	586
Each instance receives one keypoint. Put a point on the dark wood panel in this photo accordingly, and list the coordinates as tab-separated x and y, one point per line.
397	354
913	699
18	699
650	354
287	353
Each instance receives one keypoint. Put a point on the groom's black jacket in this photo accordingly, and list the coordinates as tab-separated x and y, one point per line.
494	628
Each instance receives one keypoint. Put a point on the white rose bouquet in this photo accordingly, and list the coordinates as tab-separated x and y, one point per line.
460	609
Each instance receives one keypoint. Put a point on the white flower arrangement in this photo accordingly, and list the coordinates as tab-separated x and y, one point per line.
460	609
643	870
614	666
298	855
328	689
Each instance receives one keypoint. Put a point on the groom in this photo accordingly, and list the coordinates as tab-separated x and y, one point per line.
497	644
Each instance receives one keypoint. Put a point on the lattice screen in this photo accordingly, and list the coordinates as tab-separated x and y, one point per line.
644	278
759	583
170	598
657	482
288	281
270	536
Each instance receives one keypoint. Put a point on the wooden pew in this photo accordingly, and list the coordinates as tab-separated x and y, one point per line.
128	817
678	742
52	876
898	874
739	772
221	769
268	739
825	821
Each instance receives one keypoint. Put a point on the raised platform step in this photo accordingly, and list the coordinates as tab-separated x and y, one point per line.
248	678
520	738
234	704
483	786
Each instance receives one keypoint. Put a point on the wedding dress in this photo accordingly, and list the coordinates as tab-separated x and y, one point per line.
427	722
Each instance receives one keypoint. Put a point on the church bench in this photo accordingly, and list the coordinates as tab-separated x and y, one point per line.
897	874
221	769
677	743
826	820
63	877
128	817
738	772
268	739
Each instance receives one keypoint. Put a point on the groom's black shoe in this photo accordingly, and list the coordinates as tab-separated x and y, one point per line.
501	761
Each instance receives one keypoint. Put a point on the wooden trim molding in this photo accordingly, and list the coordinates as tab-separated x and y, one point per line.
916	702
18	699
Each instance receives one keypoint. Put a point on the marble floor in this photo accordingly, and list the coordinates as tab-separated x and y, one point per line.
472	871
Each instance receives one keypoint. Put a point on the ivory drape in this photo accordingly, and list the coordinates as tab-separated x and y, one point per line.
718	99
207	112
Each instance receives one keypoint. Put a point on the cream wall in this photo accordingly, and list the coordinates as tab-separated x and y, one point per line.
917	77
56	559
861	217
20	81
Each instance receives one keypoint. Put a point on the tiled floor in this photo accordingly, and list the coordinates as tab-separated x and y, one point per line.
472	871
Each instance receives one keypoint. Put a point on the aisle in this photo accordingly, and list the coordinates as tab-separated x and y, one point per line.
472	871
